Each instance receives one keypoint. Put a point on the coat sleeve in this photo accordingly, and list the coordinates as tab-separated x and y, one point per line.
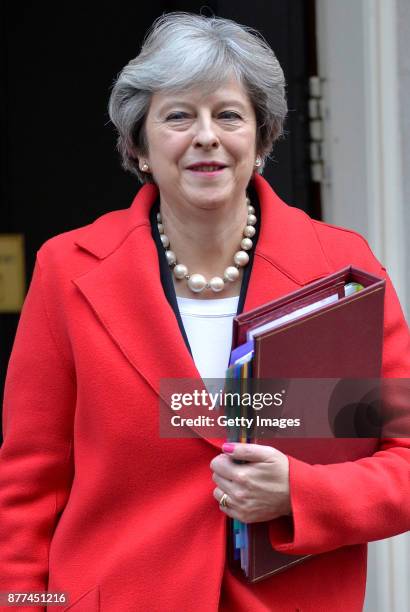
359	501
35	458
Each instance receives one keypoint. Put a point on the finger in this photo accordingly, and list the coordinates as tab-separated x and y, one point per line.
223	483
250	452
223	466
229	511
218	494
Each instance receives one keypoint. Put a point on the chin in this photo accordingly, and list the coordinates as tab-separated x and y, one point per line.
208	198
210	204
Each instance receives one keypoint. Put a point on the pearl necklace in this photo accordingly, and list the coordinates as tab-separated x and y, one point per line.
198	282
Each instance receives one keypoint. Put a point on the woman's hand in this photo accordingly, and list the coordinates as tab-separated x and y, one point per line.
257	490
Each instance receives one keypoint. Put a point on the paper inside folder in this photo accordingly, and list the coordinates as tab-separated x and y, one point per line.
296	314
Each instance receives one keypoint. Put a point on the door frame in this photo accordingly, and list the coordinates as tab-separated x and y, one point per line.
363	186
363	147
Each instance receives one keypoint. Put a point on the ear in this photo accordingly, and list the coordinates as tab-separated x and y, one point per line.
140	156
133	153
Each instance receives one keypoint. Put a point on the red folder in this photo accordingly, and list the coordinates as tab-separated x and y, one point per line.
341	340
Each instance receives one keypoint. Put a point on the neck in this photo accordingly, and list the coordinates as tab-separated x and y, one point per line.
205	240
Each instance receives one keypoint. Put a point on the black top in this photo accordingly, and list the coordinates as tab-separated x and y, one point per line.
166	274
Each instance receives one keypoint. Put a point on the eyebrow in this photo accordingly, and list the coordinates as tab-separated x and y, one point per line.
180	102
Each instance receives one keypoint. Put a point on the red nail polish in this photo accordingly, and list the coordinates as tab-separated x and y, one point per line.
228	447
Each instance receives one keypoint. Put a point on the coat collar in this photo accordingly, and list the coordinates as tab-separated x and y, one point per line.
288	239
125	292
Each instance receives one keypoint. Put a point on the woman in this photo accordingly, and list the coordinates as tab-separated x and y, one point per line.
93	502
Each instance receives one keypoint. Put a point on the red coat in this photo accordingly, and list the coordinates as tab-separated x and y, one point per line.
94	503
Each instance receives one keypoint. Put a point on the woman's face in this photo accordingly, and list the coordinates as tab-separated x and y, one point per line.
215	129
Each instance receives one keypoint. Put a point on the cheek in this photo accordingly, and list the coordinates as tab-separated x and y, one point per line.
243	147
167	152
171	144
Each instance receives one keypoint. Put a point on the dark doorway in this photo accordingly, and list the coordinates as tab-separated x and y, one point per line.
59	166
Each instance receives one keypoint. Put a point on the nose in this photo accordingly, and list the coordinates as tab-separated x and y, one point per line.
205	134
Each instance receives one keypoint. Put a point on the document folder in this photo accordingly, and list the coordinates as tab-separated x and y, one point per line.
340	338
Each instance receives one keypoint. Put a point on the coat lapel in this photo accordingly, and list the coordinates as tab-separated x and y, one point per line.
288	254
125	292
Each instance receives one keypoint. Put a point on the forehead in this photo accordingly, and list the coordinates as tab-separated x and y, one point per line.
231	91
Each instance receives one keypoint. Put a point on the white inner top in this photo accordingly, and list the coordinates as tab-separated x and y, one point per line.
208	325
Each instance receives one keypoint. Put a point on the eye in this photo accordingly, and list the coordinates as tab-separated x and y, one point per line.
176	115
230	115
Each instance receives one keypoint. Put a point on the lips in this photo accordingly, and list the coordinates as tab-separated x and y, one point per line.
208	166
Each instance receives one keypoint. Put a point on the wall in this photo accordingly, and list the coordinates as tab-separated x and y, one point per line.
364	60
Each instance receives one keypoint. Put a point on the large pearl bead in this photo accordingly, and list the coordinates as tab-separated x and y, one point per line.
246	244
249	231
164	240
231	274
216	283
180	271
251	220
196	282
171	257
160	228
241	258
251	210
159	217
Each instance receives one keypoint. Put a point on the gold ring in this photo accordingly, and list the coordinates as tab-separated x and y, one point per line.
222	501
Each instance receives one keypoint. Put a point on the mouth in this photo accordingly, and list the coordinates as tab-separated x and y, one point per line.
210	169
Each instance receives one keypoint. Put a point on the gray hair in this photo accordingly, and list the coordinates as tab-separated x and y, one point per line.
182	51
